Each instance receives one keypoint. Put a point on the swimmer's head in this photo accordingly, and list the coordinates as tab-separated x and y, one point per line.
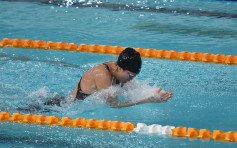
129	59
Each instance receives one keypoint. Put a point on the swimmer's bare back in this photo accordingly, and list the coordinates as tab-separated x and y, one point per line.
96	79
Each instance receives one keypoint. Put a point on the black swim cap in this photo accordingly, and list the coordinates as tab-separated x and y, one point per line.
129	59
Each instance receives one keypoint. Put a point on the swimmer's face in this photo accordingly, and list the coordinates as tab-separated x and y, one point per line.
125	76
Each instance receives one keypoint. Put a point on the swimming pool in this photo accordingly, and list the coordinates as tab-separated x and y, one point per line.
205	93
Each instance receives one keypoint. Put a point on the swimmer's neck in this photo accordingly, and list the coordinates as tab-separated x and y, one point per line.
113	70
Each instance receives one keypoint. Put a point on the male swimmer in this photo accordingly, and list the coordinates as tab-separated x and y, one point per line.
102	76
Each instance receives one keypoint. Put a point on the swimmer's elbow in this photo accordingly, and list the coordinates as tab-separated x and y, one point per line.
116	106
123	104
120	106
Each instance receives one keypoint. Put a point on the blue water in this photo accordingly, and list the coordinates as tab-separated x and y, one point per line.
205	94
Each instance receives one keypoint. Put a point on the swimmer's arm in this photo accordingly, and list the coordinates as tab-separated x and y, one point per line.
163	97
127	103
74	92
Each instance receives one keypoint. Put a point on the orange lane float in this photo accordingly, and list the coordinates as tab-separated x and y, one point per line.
231	136
4	116
104	125
161	54
91	123
184	55
71	47
16	117
66	121
52	120
179	132
231	59
94	48
117	50
50	45
192	133
219	58
153	53
143	52
208	57
6	42
128	127
28	118
18	43
218	135
79	122
205	134
40	119
171	54
196	56
29	44
61	45
107	49
116	125
39	44
82	48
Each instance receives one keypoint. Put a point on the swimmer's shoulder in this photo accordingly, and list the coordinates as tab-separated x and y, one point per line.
98	71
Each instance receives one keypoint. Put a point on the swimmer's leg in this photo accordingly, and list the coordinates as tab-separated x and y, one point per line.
29	108
51	102
56	100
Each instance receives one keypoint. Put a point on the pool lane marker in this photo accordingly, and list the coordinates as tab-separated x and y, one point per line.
68	122
107	49
119	126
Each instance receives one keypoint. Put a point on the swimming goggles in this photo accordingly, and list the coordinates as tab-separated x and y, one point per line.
130	75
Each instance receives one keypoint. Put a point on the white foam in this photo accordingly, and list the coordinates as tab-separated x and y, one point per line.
131	89
69	3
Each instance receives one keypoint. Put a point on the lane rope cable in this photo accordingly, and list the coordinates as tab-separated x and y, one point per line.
107	49
120	126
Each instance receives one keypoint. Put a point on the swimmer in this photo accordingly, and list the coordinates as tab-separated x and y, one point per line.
102	76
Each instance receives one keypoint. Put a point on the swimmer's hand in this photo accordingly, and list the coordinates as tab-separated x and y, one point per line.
163	96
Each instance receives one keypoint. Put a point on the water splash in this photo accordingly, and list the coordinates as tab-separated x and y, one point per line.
133	91
136	91
69	3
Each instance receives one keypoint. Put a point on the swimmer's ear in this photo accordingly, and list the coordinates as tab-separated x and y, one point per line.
119	69
116	66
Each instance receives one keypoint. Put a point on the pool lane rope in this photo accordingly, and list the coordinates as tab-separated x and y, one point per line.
107	49
119	126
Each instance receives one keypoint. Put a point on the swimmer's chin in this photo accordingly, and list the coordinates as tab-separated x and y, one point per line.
125	81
